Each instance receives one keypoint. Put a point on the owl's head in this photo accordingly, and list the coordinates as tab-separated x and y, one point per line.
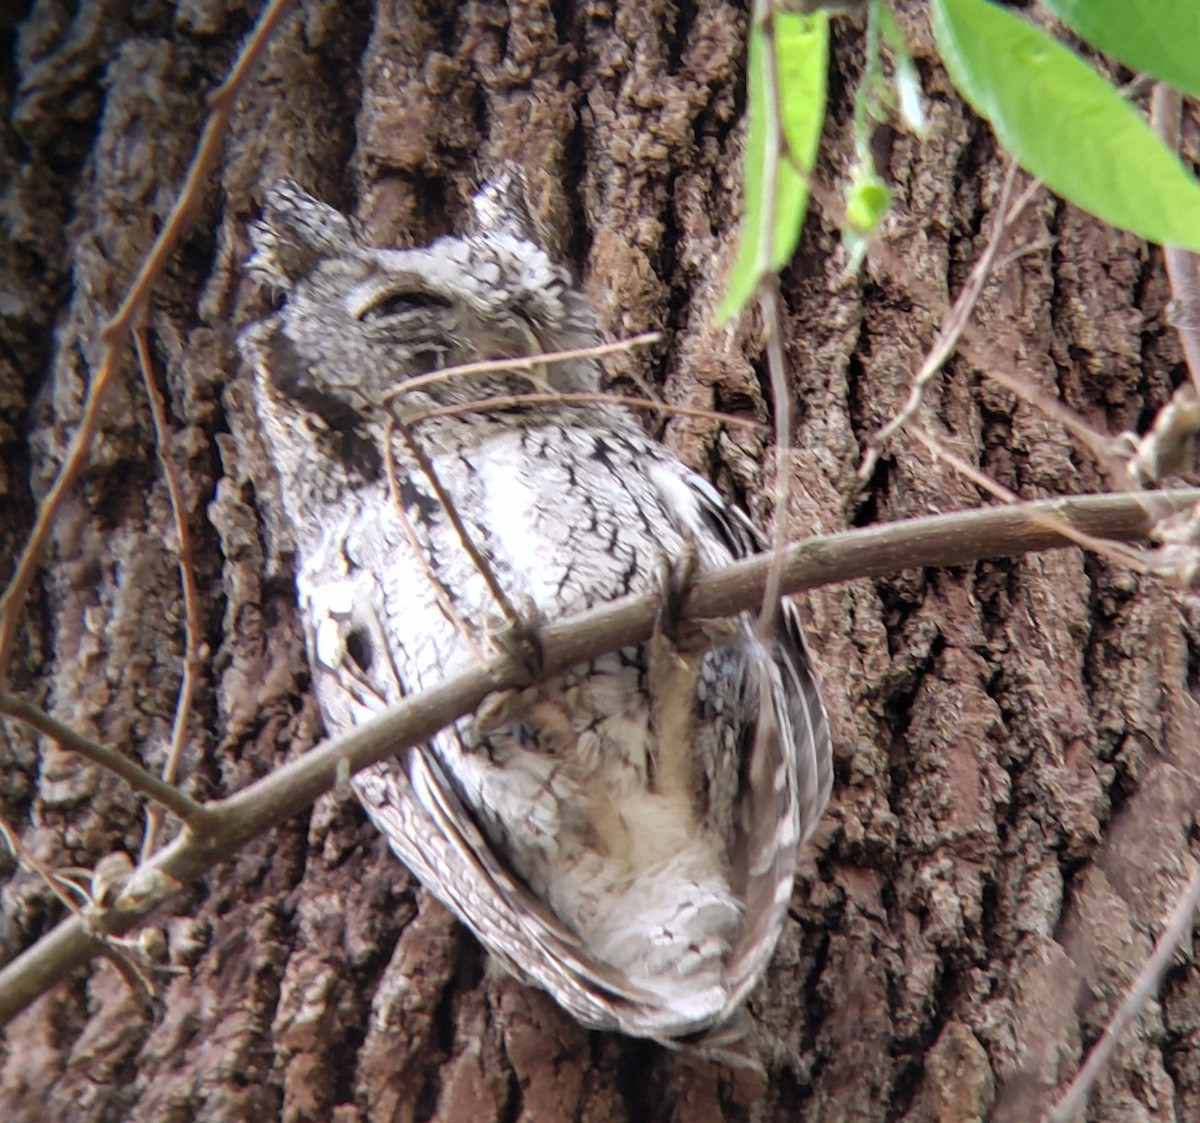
357	323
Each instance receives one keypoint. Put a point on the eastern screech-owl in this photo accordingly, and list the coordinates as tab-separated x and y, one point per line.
623	834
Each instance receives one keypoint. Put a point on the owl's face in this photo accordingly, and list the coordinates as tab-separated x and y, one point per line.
357	323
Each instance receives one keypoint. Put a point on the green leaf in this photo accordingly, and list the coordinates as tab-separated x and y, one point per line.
1160	37
1064	123
801	60
867	201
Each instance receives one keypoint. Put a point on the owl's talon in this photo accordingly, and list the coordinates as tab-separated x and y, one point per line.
521	639
676	577
495	711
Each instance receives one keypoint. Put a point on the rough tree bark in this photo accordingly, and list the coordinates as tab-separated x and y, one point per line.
1017	743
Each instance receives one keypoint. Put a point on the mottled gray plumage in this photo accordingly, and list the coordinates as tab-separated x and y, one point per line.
620	834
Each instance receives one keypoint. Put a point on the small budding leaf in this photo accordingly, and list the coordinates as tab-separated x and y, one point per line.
867	201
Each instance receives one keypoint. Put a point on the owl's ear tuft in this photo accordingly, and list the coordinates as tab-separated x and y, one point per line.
294	233
502	205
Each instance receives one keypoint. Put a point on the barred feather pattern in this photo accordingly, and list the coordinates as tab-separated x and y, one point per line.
623	834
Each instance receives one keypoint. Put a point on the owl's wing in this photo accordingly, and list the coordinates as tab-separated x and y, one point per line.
800	709
415	804
417	807
787	774
789	767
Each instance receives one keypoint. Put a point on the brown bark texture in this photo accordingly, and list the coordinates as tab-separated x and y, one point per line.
1017	743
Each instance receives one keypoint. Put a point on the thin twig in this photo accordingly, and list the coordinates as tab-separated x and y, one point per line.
760	17
116	331
1026	249
768	298
866	95
464	536
56	881
1136	998
443	595
978	349
513	401
774	145
193	663
956	320
1113	552
167	795
67	885
945	540
1101	445
523	363
1183	267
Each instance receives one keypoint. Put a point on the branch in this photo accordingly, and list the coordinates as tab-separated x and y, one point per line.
116	331
163	793
193	625
944	540
1136	999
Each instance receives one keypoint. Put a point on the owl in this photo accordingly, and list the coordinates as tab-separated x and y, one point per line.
622	833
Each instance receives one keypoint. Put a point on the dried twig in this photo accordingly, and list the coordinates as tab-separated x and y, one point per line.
501	402
84	894
149	785
1143	988
1104	448
117	329
768	298
978	349
61	883
464	535
956	320
193	662
443	595
406	425
1114	552
523	363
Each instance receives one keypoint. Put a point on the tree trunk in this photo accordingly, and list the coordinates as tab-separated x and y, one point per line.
1016	743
